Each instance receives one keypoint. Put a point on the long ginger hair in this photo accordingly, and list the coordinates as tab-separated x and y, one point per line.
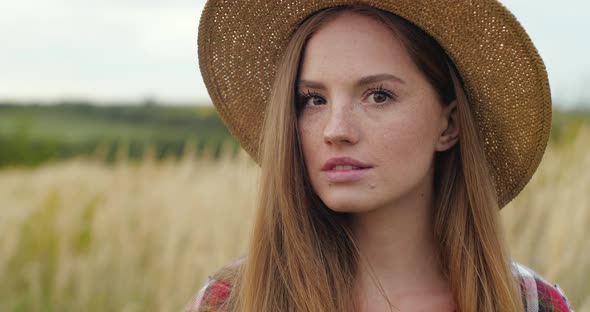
302	255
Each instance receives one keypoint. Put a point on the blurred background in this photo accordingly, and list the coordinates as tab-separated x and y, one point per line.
115	168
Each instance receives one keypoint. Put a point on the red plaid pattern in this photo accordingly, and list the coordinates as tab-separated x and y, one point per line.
538	295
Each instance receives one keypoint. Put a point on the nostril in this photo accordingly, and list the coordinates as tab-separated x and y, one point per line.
341	134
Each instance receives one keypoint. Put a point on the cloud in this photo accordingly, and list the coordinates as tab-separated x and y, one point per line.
116	52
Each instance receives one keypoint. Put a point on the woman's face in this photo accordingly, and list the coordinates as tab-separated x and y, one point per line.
370	122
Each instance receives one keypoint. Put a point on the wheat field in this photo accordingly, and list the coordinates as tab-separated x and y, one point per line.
81	235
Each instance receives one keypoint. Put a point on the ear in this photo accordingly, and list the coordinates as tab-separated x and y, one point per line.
449	128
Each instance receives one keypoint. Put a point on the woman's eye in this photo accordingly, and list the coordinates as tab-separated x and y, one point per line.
379	96
315	100
310	99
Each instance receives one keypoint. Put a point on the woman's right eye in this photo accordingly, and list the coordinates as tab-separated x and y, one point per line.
310	99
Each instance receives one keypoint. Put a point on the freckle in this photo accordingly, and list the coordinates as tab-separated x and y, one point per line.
372	186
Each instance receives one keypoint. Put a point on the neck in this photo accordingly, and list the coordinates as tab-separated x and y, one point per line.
398	248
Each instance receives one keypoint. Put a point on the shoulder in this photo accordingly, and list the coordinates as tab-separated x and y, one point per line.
214	294
538	294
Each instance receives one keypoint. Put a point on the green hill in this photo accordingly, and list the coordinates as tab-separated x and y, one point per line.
32	134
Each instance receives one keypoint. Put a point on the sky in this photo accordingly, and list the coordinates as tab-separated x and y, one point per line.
132	50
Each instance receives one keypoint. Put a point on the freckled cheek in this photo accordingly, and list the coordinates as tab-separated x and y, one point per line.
405	147
309	144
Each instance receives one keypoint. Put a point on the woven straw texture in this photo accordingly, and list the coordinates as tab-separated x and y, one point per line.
240	41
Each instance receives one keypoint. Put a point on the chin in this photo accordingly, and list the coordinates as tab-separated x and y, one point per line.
347	205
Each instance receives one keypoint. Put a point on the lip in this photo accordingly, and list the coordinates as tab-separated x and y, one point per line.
342	176
343	161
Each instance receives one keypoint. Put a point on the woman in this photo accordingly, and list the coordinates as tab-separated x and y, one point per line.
392	133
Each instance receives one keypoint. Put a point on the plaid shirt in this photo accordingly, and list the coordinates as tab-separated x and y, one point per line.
538	295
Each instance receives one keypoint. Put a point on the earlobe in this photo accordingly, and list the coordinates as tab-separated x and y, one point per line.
450	132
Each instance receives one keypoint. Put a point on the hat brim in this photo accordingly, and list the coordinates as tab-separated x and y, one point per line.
240	43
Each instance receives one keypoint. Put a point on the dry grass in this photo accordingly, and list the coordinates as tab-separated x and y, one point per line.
548	224
83	236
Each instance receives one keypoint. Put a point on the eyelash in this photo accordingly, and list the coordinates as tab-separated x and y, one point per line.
303	97
381	90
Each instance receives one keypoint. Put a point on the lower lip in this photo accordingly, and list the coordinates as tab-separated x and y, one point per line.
343	176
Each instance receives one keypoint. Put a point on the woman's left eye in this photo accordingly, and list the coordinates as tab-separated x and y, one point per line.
379	96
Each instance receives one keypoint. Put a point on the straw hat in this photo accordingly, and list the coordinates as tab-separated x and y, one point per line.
241	41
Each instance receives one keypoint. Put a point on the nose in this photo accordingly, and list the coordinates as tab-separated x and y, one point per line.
341	127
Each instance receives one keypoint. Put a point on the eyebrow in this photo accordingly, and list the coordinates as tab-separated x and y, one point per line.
363	81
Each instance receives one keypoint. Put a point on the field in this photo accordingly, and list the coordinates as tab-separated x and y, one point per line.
32	134
82	234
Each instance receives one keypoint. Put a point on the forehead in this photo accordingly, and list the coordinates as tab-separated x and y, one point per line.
353	44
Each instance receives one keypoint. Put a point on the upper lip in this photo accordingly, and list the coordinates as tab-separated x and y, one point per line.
343	161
